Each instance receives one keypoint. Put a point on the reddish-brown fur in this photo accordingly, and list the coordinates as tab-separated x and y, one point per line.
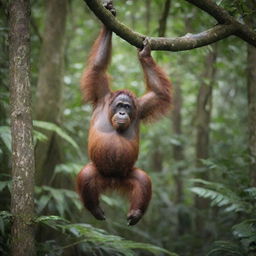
113	153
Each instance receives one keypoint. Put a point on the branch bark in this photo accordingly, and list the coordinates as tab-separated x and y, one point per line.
227	26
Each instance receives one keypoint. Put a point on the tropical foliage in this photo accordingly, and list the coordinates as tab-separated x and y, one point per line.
220	182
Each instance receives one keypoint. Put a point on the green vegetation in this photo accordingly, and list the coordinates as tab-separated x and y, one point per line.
200	158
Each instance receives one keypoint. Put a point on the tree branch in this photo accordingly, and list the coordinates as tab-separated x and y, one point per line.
220	14
228	26
223	17
192	41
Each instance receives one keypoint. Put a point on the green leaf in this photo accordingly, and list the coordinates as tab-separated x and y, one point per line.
52	219
53	127
42	202
252	192
245	229
2	229
110	201
5	135
63	200
228	248
39	136
4	217
217	198
4	184
70	169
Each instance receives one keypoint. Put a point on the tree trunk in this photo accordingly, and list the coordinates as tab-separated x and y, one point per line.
204	107
50	84
178	155
177	130
148	16
163	19
22	198
157	159
133	16
178	149
251	89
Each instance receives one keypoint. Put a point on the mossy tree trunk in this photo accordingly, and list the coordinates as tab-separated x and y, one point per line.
22	198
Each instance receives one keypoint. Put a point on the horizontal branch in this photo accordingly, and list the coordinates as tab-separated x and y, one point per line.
192	41
228	27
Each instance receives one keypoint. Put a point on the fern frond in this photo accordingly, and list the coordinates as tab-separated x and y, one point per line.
219	199
225	248
92	238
